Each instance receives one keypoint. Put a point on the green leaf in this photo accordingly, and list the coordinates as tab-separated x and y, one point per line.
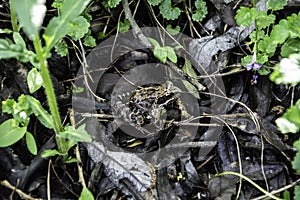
8	106
171	54
50	153
52	35
19	40
124	26
87	16
153	42
71	160
78	135
293	114
296	161
291	46
246	60
61	48
201	11
113	3
89	41
260	34
4	44
31	14
266	46
297	191
294	25
23	104
264	20
264	71
69	144
20	111
43	116
78	28
30	142
280	32
6	31
34	80
262	58
9	51
173	31
188	69
154	2
168	11
286	195
245	16
287	71
86	194
191	88
10	132
161	53
290	121
56	28
276	4
18	50
57	4
101	35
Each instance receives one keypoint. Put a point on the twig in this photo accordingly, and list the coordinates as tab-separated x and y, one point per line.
192	80
135	28
20	192
48	180
192	27
279	190
80	171
200	144
86	73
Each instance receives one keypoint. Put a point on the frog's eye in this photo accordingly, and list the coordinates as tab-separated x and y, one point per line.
169	85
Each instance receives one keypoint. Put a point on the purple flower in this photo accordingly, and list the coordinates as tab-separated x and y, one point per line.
254	78
253	65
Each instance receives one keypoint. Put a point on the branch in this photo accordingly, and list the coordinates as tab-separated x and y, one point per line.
135	28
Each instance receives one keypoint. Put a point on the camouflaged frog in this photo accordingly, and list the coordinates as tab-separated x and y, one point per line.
147	105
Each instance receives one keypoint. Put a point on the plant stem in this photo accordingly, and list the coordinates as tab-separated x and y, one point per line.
57	125
251	182
14	21
256	37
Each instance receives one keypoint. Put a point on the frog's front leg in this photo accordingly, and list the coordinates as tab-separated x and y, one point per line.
183	109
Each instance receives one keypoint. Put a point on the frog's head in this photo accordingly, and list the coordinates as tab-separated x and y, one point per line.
170	88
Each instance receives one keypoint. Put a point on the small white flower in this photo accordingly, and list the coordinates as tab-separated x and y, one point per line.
37	13
23	115
285	126
290	69
16	111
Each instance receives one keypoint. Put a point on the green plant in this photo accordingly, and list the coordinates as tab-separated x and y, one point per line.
21	112
173	31
124	26
287	72
111	3
78	28
31	14
264	40
163	52
171	12
200	12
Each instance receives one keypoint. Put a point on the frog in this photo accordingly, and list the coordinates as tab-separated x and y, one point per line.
147	105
